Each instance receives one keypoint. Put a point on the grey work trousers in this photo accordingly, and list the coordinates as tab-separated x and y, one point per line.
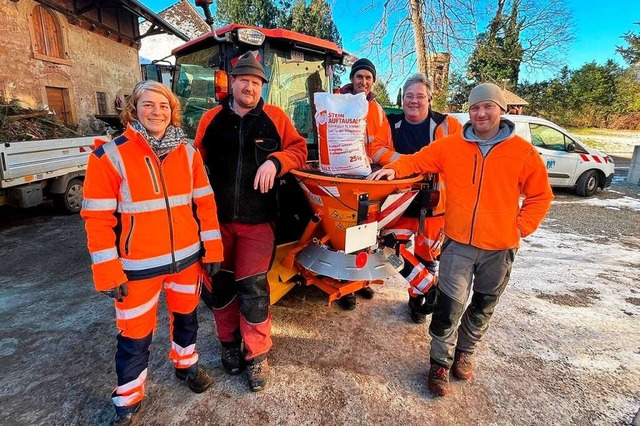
462	268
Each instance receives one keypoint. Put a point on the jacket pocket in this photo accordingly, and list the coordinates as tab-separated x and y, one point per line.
465	170
127	241
264	147
152	173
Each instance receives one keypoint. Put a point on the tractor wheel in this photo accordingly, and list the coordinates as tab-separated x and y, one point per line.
70	201
588	183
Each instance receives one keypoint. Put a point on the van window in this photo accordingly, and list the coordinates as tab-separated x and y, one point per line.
546	137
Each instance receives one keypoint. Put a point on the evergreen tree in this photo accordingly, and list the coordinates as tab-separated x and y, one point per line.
260	13
630	54
498	53
382	96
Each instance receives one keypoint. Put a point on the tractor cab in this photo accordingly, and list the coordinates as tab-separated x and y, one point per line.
296	65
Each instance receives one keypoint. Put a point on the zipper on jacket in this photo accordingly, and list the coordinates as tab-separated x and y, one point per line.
475	168
475	207
128	239
238	170
174	268
153	175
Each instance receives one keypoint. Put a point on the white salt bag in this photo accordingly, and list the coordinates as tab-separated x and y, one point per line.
341	120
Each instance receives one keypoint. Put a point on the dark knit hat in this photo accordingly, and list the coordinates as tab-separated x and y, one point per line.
363	64
248	65
487	92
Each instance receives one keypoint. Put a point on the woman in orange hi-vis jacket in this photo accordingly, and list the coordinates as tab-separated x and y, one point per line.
144	236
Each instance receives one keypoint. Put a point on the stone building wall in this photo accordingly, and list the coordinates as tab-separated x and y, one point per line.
90	63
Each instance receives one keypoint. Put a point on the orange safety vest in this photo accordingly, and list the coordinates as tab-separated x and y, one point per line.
139	211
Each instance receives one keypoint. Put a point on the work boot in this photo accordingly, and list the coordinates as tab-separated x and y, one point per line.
366	293
438	382
415	309
198	381
127	417
462	365
258	371
231	357
347	302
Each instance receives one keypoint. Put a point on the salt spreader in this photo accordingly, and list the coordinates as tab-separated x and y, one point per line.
340	250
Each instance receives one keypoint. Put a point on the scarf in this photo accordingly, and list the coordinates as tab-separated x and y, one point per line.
173	136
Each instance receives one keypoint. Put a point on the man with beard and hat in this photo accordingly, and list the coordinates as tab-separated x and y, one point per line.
246	145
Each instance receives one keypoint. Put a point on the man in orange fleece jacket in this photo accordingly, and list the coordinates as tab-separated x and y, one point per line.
487	168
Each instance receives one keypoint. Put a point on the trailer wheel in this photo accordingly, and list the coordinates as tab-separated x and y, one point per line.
70	201
587	183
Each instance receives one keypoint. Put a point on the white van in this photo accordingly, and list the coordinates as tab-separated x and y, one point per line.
570	163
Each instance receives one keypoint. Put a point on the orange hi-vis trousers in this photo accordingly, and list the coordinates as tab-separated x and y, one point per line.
136	320
420	266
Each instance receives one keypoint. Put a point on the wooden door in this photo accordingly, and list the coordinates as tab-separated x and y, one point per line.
57	104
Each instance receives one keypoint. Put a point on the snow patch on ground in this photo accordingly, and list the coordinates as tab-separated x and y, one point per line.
612	203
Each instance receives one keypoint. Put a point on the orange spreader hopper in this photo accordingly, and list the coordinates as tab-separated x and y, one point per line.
339	251
338	200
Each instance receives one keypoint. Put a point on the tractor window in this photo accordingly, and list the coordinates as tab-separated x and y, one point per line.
293	77
193	85
546	137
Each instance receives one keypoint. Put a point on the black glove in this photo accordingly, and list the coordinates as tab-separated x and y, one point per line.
429	301
118	292
212	268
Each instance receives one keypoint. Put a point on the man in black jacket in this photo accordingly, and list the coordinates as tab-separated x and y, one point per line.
246	145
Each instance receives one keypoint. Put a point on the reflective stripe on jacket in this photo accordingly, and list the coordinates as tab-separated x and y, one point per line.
378	132
483	193
139	213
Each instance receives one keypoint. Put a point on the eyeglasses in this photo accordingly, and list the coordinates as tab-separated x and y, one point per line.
419	98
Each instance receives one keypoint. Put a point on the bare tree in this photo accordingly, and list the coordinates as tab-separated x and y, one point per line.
419	36
411	31
544	29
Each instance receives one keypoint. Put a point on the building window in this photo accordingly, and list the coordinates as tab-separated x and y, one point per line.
101	99
47	33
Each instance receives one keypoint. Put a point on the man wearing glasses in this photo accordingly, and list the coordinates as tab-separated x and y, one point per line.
415	128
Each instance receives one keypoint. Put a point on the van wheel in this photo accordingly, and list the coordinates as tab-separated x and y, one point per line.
70	201
588	183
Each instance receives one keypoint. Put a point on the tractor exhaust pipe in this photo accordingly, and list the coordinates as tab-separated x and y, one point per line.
205	5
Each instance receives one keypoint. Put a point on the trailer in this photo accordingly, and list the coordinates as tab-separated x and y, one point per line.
32	172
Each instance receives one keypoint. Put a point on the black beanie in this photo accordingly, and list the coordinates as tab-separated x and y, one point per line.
363	64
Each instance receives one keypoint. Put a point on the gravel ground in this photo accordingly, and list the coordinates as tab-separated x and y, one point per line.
563	347
592	219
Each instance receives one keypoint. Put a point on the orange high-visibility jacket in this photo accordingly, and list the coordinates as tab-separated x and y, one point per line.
483	193
378	134
378	131
139	211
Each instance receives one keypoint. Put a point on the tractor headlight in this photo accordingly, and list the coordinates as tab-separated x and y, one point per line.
250	36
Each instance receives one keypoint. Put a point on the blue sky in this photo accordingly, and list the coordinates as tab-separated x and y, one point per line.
598	27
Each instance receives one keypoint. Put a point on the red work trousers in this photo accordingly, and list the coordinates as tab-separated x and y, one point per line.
240	291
